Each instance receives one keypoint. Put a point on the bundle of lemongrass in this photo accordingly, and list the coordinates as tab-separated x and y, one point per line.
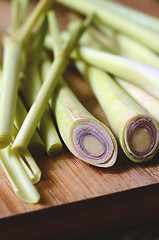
39	96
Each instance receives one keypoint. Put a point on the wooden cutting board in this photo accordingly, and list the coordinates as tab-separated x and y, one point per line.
76	198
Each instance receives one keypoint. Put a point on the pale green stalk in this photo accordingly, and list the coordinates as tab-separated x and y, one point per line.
134	50
136	131
30	167
17	176
28	163
58	66
18	13
23	33
118	44
46	127
55	34
130	13
10	75
142	34
92	38
36	145
86	137
140	74
31	86
86	39
146	100
11	67
126	46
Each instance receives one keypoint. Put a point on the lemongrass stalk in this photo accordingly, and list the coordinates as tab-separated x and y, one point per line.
58	66
93	37
11	67
128	47
36	144
146	100
137	132
82	133
87	39
30	88
22	34
118	44
17	176
28	163
30	167
18	12
142	34
132	49
130	13
140	74
26	159
20	114
87	138
46	127
55	34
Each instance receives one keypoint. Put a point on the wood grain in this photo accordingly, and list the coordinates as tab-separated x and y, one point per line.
76	198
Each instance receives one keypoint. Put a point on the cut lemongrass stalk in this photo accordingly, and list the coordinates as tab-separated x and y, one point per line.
11	66
58	66
17	176
119	44
127	47
146	100
136	131
49	134
36	144
140	74
142	34
22	34
86	137
30	87
92	38
30	167
28	163
9	88
46	127
55	34
20	114
18	12
130	13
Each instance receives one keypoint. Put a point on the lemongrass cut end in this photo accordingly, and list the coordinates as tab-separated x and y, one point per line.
18	148
5	140
141	138
55	149
94	143
29	198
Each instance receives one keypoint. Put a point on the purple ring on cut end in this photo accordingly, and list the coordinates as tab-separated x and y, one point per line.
92	142
147	125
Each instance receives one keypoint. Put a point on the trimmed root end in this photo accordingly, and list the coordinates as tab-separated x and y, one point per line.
141	138
94	143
